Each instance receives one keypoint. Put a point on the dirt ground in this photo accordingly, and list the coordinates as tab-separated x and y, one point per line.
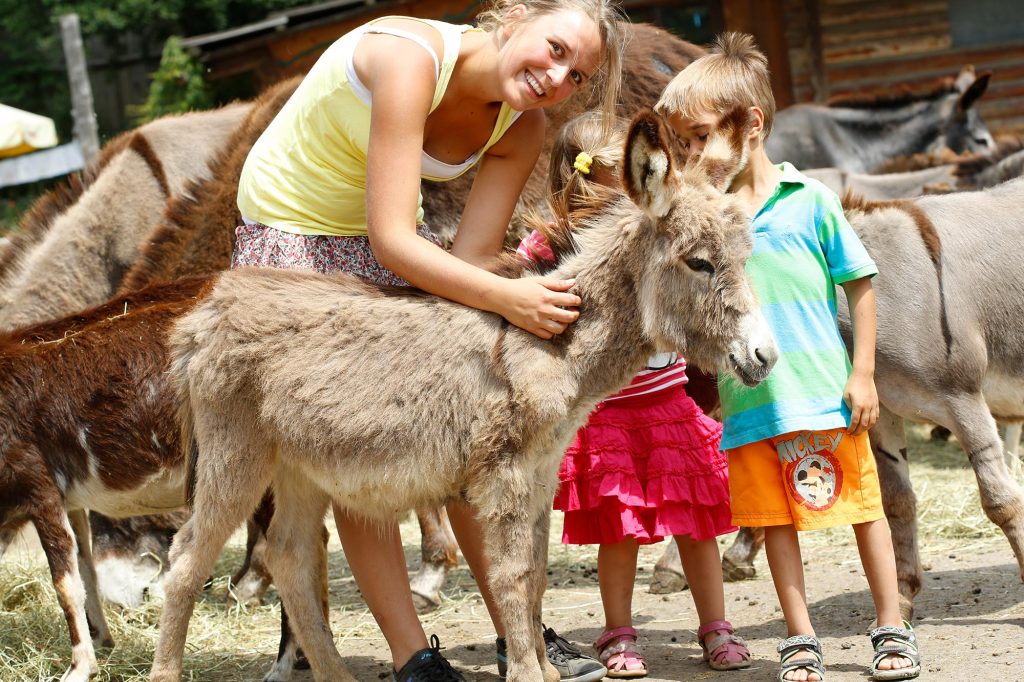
969	618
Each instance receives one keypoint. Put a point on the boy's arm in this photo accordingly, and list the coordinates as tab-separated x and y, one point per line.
860	393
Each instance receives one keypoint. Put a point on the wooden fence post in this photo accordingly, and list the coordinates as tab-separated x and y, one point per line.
86	130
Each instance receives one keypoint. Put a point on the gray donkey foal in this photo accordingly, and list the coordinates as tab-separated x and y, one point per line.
383	400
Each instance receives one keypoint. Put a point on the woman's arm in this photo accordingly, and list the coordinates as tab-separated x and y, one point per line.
402	86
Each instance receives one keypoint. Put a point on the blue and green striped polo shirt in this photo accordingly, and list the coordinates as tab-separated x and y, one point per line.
803	248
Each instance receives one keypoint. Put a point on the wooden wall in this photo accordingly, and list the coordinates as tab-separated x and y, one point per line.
841	46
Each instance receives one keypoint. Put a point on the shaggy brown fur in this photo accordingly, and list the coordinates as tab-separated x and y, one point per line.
86	422
489	428
40	215
894	98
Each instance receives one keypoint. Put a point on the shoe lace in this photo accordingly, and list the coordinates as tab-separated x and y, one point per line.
558	648
437	668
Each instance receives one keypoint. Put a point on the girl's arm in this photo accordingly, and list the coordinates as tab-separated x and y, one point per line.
401	80
860	393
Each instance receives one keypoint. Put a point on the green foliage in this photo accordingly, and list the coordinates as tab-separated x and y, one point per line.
33	76
177	86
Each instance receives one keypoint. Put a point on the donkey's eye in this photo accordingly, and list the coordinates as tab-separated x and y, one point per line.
700	265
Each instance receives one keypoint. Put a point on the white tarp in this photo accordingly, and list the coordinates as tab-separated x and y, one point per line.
49	163
22	132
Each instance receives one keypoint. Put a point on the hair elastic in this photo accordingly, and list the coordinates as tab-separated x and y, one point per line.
582	162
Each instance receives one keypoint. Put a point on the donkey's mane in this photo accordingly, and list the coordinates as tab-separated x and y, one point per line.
894	98
929	237
39	217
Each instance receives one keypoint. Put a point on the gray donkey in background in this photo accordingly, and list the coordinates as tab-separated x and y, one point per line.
280	385
858	133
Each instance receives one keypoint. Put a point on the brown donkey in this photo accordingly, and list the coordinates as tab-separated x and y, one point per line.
472	408
87	422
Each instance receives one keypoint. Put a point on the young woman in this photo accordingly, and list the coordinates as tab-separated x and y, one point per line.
333	184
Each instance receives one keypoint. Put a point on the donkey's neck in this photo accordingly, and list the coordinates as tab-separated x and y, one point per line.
605	347
886	133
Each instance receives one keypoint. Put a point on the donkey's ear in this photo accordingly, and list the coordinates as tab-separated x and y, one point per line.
725	153
974	91
647	173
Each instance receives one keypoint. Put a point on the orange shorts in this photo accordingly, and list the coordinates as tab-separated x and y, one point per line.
811	479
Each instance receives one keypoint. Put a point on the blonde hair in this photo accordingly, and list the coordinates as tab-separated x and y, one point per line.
574	185
608	17
734	73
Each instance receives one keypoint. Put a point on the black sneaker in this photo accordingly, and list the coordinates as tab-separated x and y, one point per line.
571	663
428	665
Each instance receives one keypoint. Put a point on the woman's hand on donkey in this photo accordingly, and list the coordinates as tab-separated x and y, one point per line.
540	305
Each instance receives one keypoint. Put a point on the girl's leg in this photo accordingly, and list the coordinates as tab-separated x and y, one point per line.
782	547
616	573
702	567
375	555
874	543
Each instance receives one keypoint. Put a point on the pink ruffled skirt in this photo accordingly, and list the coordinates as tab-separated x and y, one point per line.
646	467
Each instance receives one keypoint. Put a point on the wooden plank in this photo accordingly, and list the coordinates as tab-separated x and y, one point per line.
939	30
928	43
886	13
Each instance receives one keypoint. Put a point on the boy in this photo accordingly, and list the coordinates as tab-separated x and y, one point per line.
799	456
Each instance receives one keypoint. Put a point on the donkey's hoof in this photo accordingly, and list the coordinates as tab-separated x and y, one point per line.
737	572
665	581
425	603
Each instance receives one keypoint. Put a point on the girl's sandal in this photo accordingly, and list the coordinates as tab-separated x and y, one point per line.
801	644
889	640
723	650
618	650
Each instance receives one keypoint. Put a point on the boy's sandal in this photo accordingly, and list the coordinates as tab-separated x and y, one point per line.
801	644
889	640
618	650
723	650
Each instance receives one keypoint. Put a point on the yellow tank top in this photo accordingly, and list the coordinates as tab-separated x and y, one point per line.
306	174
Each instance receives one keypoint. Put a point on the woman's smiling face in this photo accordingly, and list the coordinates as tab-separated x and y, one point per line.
545	58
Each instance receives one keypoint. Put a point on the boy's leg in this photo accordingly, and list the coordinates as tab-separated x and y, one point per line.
374	553
782	548
874	542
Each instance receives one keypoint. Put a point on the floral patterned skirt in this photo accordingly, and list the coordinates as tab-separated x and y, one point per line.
259	245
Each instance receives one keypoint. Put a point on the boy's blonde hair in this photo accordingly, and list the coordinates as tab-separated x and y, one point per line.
609	19
734	73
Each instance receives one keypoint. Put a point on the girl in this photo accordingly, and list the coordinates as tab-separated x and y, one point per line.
647	465
333	184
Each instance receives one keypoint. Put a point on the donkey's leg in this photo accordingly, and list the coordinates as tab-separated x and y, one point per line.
541	530
93	608
297	561
889	443
438	555
738	560
252	580
668	572
58	541
1001	497
509	510
1012	445
289	655
233	469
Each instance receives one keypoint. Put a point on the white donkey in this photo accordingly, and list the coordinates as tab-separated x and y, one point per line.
281	384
